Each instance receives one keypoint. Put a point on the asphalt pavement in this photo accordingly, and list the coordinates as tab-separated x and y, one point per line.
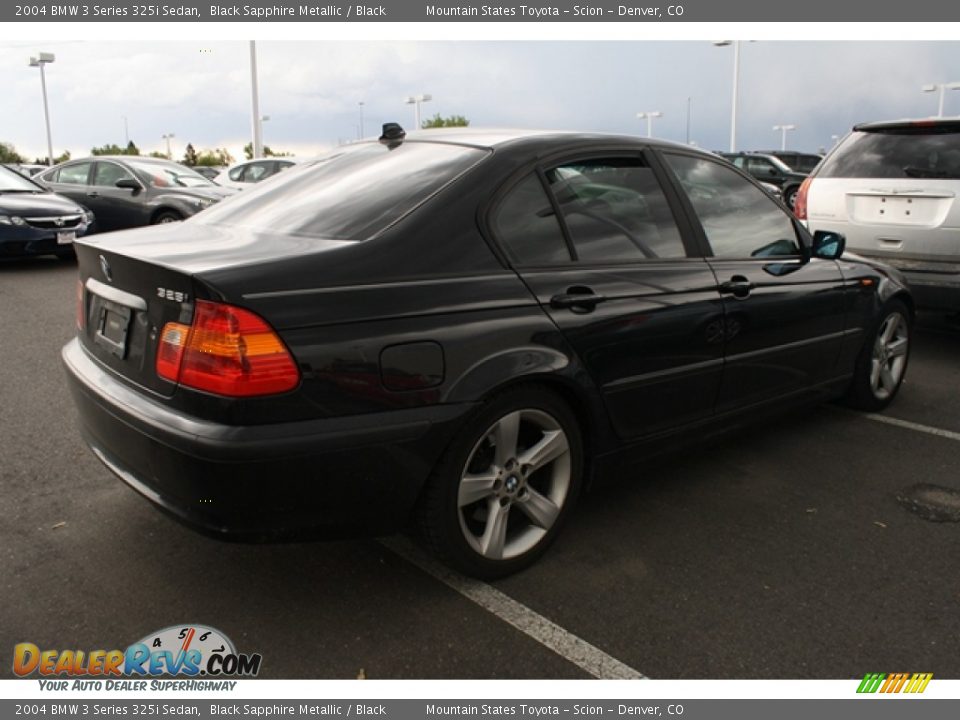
780	552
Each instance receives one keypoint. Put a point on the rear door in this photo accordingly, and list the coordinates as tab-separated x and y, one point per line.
597	241
784	313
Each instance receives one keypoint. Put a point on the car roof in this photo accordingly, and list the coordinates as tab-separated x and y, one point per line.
947	123
492	138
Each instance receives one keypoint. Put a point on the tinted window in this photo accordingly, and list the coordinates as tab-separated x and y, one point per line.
914	152
615	210
740	219
107	174
526	224
74	174
351	194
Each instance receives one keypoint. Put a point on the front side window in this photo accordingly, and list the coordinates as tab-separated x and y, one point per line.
615	210
739	219
107	174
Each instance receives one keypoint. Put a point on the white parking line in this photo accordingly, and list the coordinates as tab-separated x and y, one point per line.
567	645
939	432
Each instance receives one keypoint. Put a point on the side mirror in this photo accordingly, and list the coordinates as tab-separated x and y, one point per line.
828	245
129	184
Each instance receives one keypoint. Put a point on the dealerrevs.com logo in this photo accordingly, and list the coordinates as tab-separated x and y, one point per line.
179	650
887	683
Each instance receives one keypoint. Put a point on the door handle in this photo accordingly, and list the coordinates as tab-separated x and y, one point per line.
93	194
577	298
738	286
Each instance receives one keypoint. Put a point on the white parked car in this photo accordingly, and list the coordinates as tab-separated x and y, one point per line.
893	189
248	173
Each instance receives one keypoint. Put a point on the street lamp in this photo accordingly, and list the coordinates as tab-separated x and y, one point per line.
784	129
942	87
361	119
255	101
263	119
39	61
168	138
736	89
649	116
416	100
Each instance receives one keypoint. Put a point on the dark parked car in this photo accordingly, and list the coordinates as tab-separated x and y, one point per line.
208	171
800	162
770	169
130	191
34	221
463	328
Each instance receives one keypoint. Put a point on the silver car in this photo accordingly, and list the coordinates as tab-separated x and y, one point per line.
893	189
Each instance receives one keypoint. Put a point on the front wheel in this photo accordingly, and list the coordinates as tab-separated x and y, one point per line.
882	363
504	487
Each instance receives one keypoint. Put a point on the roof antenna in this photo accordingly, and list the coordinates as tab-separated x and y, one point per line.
393	134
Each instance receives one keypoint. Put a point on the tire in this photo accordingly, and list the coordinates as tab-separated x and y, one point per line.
790	196
508	512
882	363
67	253
166	216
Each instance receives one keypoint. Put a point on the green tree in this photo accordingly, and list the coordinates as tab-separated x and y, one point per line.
56	161
189	156
267	152
440	122
113	149
162	156
215	158
9	154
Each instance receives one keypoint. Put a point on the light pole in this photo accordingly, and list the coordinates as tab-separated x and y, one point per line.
649	116
168	137
361	119
39	61
736	89
263	119
255	98
416	100
784	129
126	130
688	121
942	87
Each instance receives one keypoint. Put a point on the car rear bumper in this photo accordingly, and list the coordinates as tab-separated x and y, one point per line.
327	478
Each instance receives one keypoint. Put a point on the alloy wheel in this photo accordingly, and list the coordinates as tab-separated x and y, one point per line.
889	358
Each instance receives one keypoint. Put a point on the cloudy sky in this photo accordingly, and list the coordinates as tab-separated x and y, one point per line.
200	91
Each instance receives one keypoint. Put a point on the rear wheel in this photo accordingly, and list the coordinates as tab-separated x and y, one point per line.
882	363
504	487
166	216
790	196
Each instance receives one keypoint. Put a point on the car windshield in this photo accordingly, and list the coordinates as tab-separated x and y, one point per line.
805	163
898	153
12	181
352	194
161	174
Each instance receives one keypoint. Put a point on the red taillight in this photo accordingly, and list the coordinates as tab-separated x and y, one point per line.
81	311
800	202
228	351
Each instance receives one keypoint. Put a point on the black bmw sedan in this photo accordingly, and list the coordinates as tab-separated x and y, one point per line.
130	191
34	221
462	328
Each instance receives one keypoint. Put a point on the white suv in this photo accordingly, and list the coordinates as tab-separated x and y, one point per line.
893	189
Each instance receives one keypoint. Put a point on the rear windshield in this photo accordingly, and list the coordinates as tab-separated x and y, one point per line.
351	194
912	153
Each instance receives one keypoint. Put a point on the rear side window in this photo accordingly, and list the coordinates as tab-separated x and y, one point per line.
739	219
528	227
74	174
907	153
351	194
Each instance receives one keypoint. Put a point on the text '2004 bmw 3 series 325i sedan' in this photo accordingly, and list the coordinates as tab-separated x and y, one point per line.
461	328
